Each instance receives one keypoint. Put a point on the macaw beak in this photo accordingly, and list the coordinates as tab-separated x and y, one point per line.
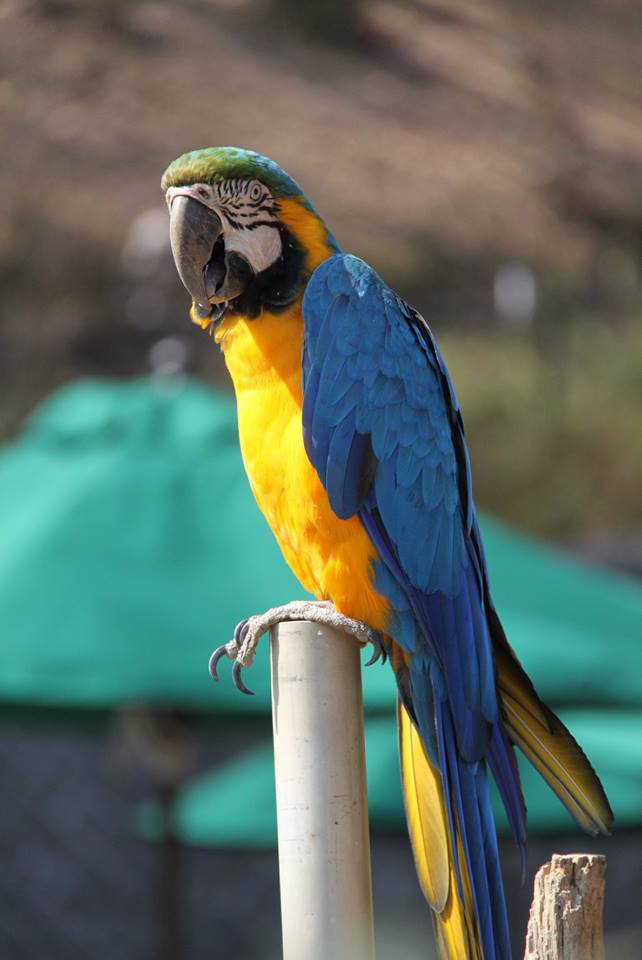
208	273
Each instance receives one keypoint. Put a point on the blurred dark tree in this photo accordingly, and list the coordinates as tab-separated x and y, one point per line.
336	22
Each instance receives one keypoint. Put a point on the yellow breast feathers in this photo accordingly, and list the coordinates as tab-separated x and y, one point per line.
331	557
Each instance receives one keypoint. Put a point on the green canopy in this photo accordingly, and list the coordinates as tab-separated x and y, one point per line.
612	738
131	546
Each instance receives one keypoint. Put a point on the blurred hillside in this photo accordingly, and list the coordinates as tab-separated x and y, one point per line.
485	156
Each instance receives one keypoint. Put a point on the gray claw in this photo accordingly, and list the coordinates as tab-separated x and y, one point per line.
238	682
378	653
218	654
240	631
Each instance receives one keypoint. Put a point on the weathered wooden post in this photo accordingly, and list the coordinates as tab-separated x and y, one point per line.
565	921
321	798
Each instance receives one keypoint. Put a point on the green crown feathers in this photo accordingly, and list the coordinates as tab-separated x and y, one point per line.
214	164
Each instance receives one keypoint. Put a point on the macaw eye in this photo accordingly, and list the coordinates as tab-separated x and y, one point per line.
203	192
256	192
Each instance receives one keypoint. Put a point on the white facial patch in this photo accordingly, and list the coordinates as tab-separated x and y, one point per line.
248	214
260	246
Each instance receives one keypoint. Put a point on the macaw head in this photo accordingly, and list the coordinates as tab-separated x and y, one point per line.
243	234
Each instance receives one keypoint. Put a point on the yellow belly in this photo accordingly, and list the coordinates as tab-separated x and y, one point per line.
331	557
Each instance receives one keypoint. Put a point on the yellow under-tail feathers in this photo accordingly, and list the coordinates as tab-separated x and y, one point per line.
549	746
430	838
423	797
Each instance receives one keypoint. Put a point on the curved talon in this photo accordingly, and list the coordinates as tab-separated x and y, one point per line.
218	654
378	653
240	631
238	682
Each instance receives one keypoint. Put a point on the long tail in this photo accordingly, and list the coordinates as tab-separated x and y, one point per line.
545	741
452	902
461	885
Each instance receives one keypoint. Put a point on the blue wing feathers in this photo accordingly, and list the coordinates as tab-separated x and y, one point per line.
339	480
409	466
349	467
502	761
384	432
471	804
492	872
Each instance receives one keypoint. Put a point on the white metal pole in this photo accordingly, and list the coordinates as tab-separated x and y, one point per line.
321	798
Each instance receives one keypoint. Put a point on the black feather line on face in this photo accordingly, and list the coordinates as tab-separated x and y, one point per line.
250	226
278	286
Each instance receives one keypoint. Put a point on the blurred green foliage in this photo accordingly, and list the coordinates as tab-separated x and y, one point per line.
554	423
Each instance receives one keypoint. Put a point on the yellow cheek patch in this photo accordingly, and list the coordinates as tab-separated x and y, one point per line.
308	228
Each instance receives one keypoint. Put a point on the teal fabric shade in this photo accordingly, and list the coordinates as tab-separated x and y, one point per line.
131	546
612	738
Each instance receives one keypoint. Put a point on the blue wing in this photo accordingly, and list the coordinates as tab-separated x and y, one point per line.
384	432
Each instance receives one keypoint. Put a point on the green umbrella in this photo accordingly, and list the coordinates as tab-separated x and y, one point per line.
131	546
612	738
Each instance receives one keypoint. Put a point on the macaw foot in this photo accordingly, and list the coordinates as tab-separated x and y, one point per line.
242	647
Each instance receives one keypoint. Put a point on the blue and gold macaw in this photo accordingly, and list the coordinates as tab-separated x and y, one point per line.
353	443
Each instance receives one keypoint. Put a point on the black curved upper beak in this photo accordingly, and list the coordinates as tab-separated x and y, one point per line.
193	231
207	272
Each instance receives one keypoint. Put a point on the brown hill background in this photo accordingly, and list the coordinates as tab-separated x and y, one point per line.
486	157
